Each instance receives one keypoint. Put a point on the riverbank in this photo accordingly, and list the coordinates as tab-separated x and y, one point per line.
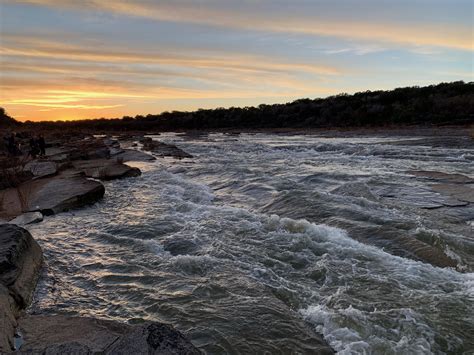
66	177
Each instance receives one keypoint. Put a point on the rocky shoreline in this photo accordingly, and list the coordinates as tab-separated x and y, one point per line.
67	177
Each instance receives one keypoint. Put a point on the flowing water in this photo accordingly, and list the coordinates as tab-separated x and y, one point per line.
261	243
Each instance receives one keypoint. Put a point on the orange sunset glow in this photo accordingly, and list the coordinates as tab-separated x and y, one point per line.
66	60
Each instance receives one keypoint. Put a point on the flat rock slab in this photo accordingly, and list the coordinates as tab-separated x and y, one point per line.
164	150
79	335
463	193
442	177
54	195
20	261
27	218
59	154
413	196
41	168
133	155
105	169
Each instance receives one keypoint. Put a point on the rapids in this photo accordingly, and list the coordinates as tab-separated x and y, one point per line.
262	242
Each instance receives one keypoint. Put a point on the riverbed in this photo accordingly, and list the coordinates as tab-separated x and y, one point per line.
270	242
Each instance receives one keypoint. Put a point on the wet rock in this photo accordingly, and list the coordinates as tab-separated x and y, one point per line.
163	150
442	177
459	192
133	155
452	202
41	168
105	169
413	196
20	262
356	190
78	335
27	218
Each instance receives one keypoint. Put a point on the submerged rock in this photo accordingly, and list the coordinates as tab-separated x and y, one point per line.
164	150
442	177
80	335
463	193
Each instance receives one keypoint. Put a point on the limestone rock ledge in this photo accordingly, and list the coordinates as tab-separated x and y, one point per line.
20	263
105	169
51	195
81	335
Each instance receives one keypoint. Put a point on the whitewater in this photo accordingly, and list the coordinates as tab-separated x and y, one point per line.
266	243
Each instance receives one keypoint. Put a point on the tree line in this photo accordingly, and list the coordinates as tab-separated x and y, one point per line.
442	104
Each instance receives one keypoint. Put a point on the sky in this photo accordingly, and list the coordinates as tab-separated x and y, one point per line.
77	59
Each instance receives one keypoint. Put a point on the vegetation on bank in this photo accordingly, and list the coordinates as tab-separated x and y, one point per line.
442	104
6	121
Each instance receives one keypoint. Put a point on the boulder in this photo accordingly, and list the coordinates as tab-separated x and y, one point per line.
133	155
41	168
27	218
81	335
105	169
20	262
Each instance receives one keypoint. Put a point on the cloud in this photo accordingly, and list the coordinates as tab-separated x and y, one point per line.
56	73
14	45
266	16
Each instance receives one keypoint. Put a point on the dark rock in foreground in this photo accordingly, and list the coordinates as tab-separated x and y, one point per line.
20	262
77	335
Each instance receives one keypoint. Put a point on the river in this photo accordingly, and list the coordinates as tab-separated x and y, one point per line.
264	243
